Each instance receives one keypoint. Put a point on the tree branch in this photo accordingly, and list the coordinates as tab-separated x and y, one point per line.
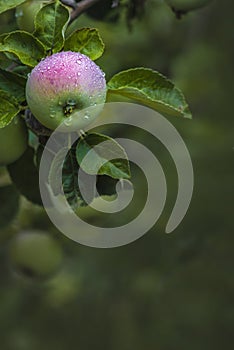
80	7
70	3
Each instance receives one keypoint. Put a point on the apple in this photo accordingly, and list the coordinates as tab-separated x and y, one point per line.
187	5
61	87
13	141
35	254
25	14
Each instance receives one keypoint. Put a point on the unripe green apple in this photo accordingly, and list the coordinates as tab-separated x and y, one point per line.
35	254
25	14
187	5
61	86
13	141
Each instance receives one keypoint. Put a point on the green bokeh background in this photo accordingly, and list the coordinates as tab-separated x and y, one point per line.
164	292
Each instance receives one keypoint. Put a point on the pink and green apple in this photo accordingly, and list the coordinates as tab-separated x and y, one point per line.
66	89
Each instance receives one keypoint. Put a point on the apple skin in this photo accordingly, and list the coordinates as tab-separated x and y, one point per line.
35	254
61	87
13	141
187	5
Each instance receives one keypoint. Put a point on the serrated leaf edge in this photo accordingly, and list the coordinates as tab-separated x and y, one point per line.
92	30
181	112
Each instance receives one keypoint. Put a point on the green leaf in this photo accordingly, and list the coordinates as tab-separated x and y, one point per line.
22	70
25	176
100	149
53	178
152	89
105	184
9	197
13	84
24	45
3	37
86	41
9	4
5	62
9	108
50	24
70	180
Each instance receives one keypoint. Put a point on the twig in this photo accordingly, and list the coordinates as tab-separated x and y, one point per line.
81	6
70	3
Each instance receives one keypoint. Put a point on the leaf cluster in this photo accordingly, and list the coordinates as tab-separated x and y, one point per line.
20	52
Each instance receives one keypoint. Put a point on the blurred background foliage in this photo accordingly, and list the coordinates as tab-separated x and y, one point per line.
164	292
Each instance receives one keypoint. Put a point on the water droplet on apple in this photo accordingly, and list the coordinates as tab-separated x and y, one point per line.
71	102
52	113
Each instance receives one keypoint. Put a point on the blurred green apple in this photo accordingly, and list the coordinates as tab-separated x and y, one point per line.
25	14
13	141
35	254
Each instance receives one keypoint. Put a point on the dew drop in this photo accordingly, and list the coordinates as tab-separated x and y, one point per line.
52	113
78	61
71	102
19	14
